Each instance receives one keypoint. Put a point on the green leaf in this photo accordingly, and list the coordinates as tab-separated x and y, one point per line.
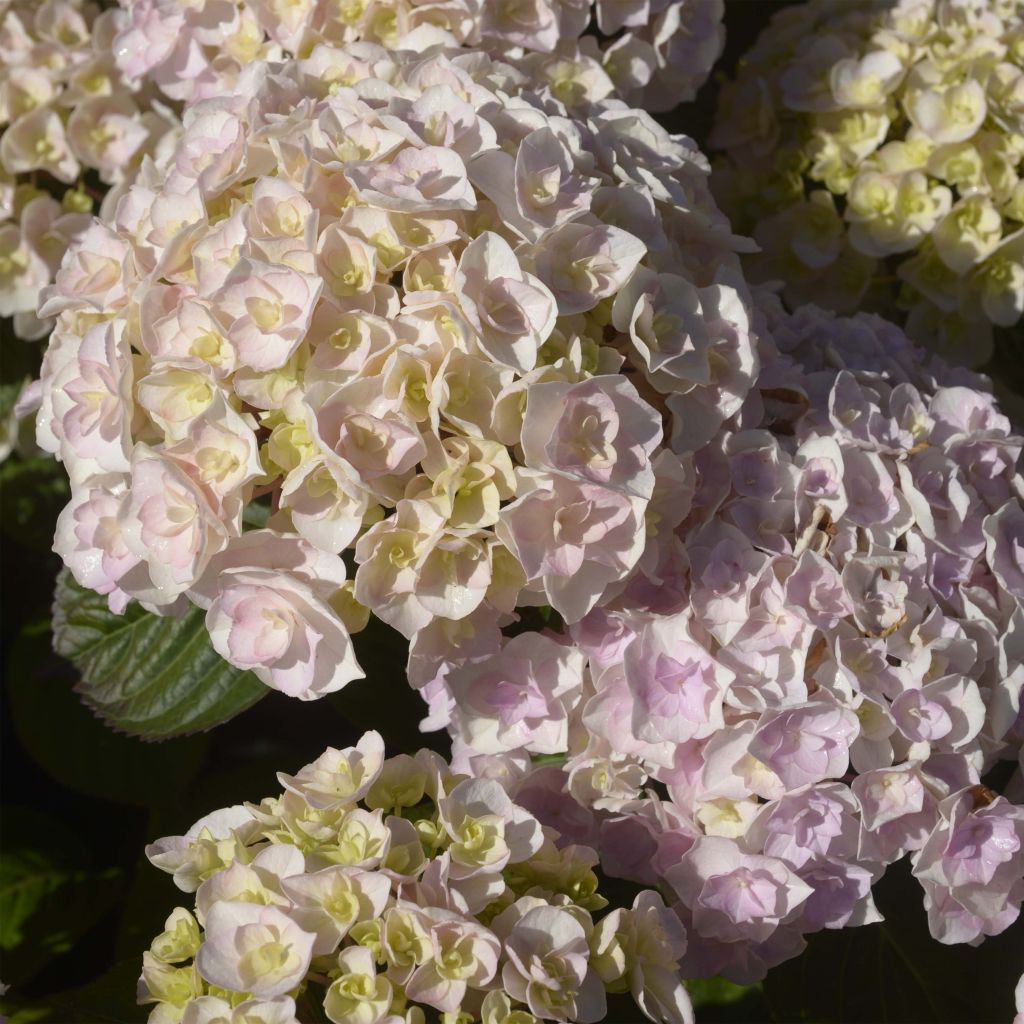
48	901
144	674
9	391
73	746
26	879
717	991
27	1016
255	515
718	1001
32	493
543	759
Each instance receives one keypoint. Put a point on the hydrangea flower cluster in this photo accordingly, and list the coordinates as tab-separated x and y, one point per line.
391	889
77	86
874	151
429	320
64	109
829	666
652	53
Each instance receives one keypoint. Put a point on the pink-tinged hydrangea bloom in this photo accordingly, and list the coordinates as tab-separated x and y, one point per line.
259	881
947	713
280	629
540	188
512	311
90	541
210	148
22	273
895	796
421	180
268	601
599	432
209	845
841	897
330	901
92	274
30	253
265	311
213	1009
38	141
645	943
369	435
601	778
91	405
736	896
656	55
816	590
106	131
584	263
482	803
462	954
1004	546
521	698
169	526
574	540
972	867
807	825
475	909
369	290
807	743
723	562
547	967
66	109
677	686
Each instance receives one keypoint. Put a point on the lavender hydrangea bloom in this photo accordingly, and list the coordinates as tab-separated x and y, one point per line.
824	660
972	866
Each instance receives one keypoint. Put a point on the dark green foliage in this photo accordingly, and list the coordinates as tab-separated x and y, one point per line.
143	674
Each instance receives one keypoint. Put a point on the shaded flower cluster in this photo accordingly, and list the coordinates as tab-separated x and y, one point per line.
65	110
414	316
385	889
826	669
874	150
652	53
